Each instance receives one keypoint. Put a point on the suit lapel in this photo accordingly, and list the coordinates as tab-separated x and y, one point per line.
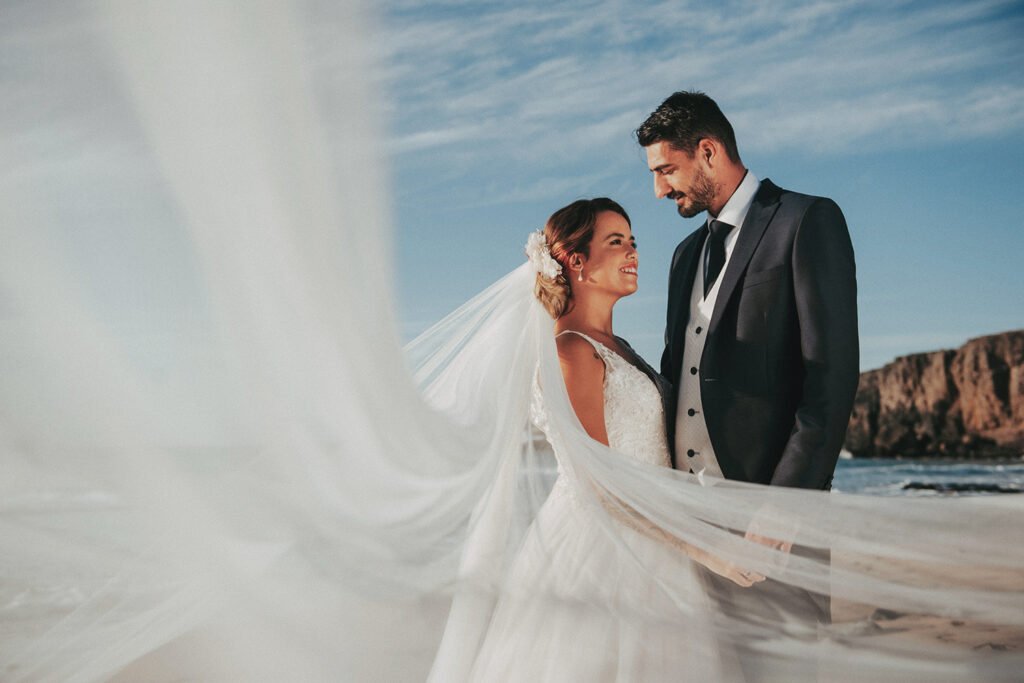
760	215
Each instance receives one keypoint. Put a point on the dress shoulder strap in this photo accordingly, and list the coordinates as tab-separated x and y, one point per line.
601	349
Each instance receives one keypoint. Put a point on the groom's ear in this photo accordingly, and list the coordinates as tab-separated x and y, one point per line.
707	150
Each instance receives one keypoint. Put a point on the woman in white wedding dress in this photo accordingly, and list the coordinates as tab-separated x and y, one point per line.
575	606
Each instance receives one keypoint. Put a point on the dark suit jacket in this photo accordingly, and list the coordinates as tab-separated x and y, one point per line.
781	361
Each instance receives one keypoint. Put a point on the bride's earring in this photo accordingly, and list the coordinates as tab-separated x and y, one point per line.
580	278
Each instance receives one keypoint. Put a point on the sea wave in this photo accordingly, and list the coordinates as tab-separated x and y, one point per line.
928	478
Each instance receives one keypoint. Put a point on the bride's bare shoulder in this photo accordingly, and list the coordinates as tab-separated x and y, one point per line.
577	352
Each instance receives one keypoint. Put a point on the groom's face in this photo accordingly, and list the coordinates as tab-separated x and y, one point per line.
680	177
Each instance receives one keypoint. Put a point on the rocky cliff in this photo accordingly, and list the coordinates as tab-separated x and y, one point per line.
965	403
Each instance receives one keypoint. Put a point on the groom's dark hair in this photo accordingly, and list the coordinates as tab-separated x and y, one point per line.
683	120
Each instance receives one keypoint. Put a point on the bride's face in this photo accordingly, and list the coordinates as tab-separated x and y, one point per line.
612	263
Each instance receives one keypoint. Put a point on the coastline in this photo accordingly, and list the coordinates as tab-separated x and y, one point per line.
965	404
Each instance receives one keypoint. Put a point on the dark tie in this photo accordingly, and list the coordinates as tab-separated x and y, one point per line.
716	254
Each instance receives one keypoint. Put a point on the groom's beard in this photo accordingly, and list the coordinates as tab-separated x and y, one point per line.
701	194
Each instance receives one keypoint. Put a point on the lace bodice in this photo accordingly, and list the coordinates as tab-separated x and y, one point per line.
634	417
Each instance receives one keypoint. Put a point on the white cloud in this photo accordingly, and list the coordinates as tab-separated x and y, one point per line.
544	188
827	76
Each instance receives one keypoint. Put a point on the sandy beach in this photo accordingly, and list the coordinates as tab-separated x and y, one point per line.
971	635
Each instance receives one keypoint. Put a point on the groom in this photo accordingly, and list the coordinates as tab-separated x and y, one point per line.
761	340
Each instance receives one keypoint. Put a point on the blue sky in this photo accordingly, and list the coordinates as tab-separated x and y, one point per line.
909	114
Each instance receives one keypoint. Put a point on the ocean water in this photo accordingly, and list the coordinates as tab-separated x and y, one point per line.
893	477
898	477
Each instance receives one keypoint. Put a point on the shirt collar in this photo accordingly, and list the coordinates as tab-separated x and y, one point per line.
735	210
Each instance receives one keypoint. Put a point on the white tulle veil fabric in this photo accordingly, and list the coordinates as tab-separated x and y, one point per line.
219	464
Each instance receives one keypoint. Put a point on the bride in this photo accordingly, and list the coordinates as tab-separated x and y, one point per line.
559	615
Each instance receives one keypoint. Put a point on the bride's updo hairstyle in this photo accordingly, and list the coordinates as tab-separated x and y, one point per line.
569	231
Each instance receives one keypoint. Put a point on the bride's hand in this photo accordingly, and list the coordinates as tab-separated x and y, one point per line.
741	577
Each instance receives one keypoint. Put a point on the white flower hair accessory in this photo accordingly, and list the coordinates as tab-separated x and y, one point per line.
539	254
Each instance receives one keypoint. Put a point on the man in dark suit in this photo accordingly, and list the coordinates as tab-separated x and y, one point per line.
761	338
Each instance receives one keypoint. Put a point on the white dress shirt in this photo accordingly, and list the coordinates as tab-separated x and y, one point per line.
693	443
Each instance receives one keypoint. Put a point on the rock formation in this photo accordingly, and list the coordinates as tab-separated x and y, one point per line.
963	403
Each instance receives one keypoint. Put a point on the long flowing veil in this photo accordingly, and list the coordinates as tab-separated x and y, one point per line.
219	464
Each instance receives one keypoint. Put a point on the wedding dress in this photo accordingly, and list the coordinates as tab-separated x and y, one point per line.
219	463
542	630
